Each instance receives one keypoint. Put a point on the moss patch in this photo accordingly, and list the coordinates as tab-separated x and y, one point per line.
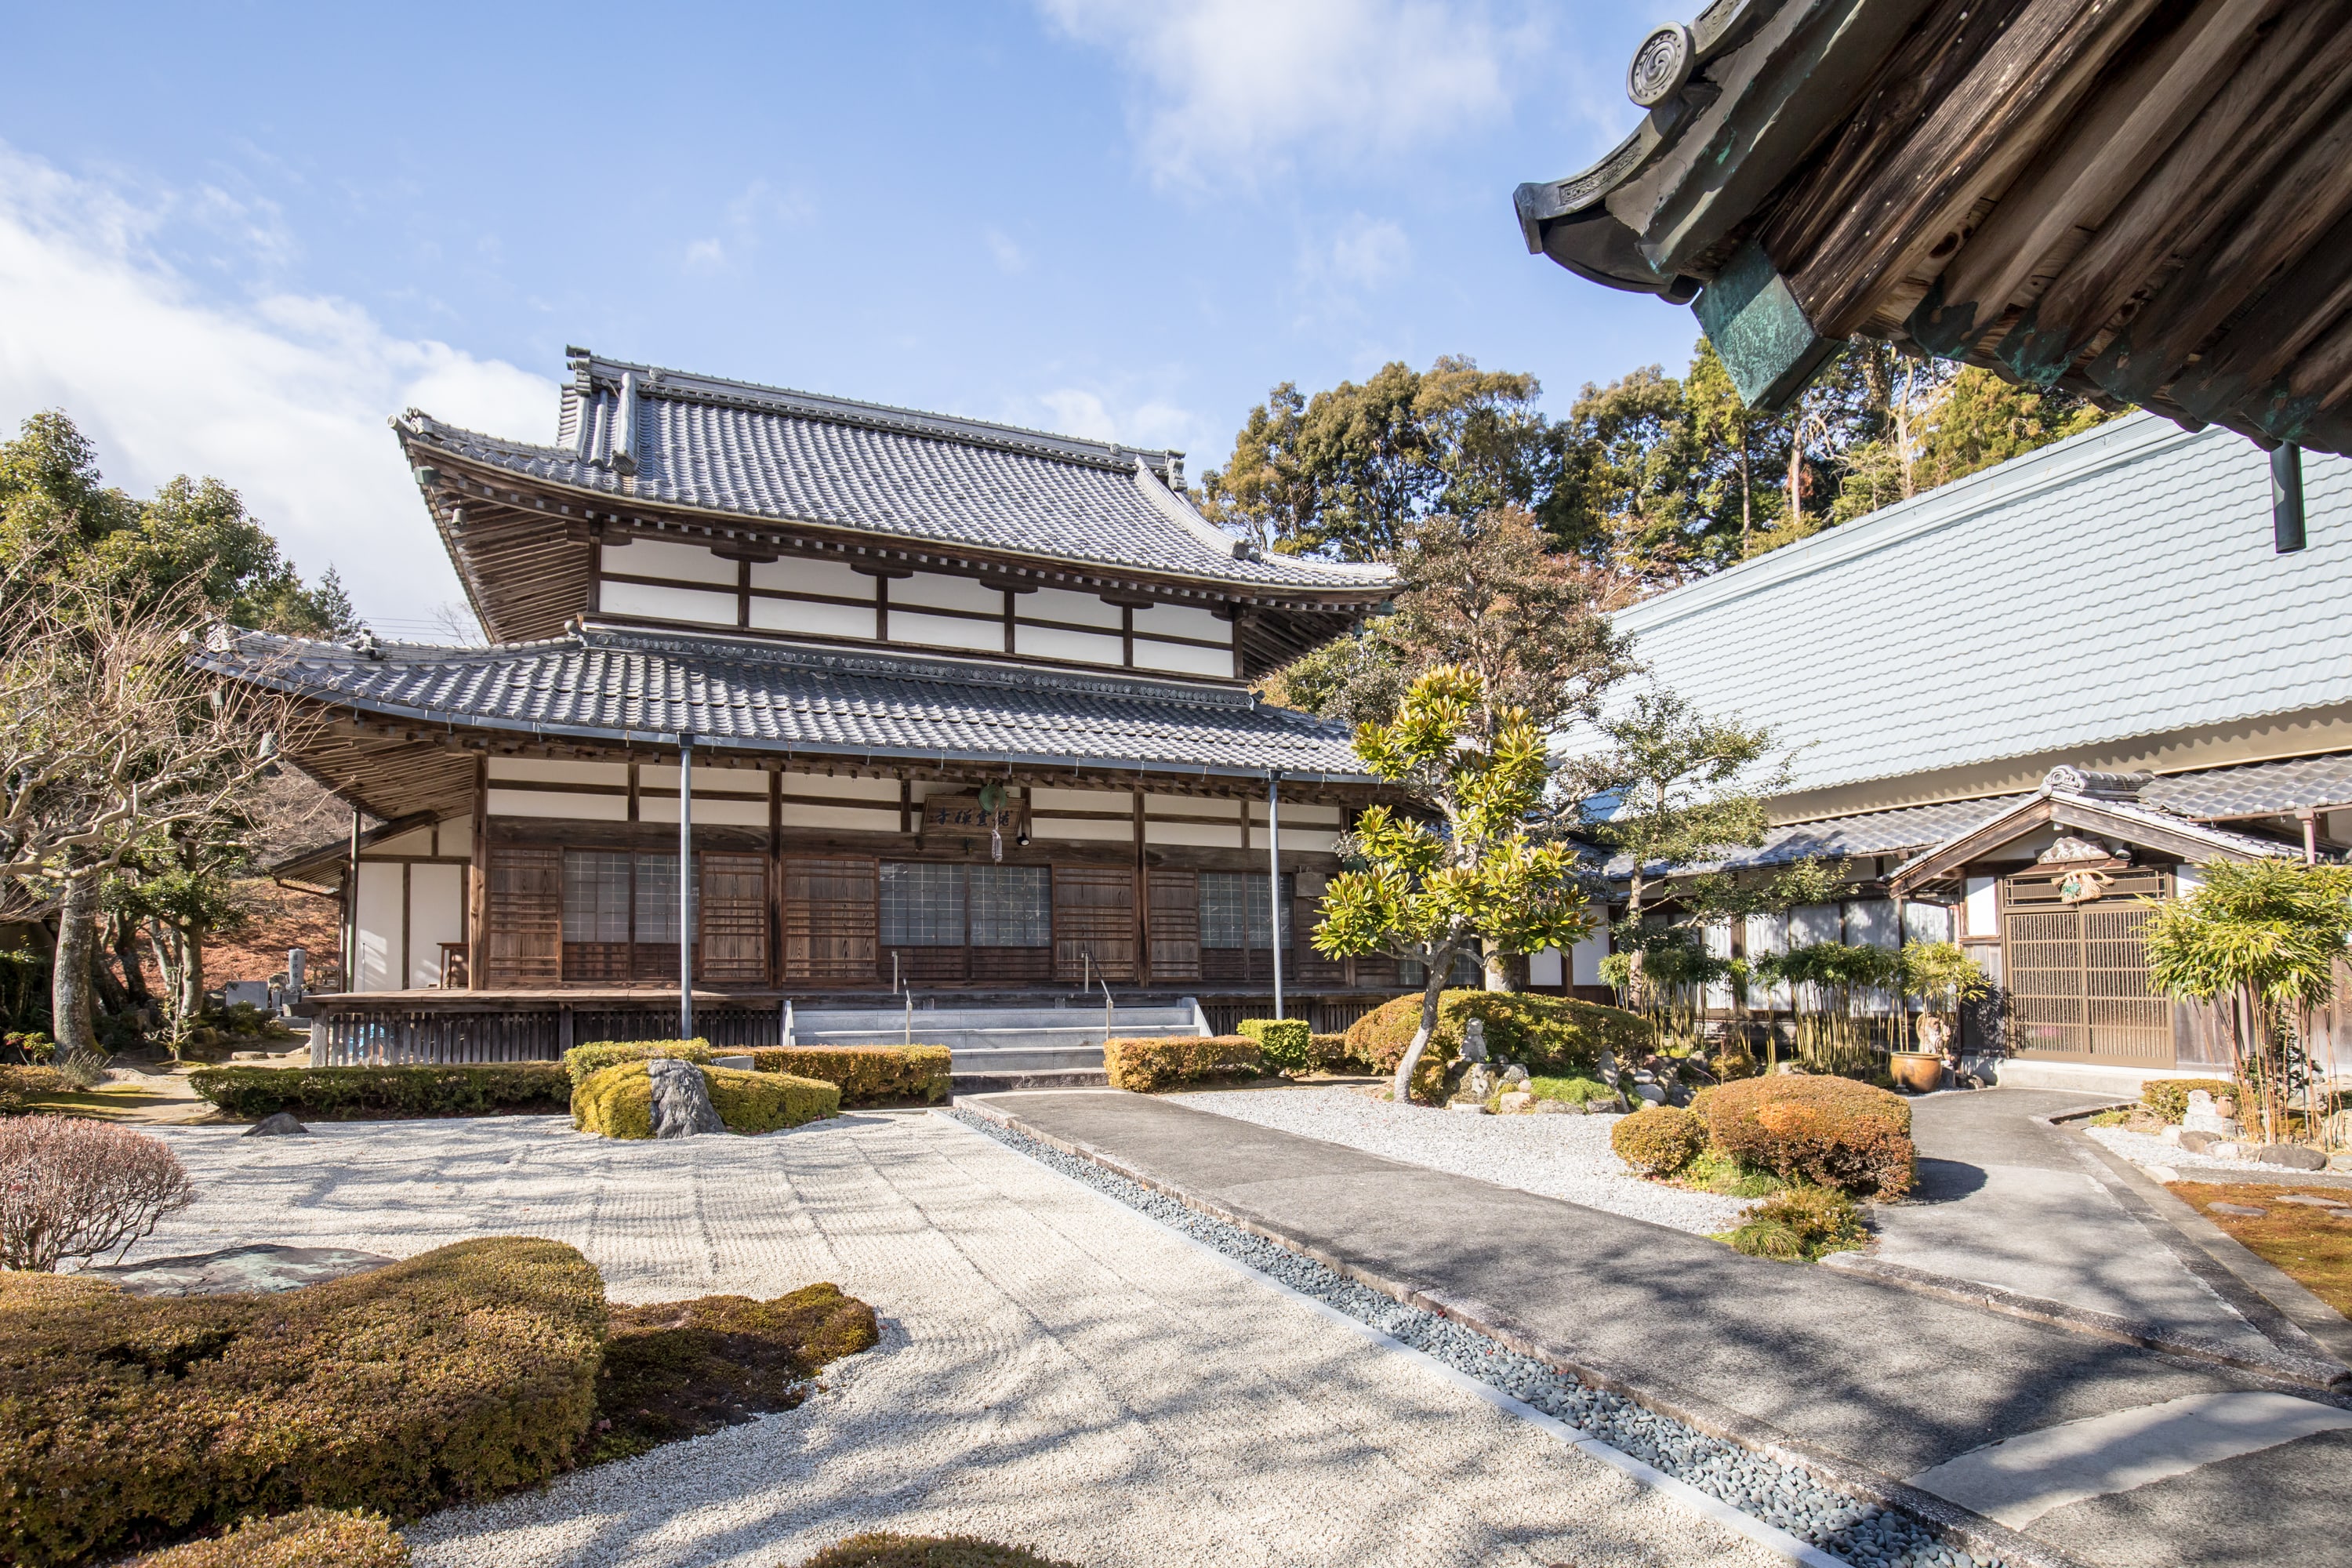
2309	1245
889	1551
679	1369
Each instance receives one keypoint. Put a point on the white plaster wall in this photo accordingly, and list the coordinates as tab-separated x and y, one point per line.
1183	621
699	605
1044	799
1181	660
380	957
545	770
1202	833
1079	827
1584	960
845	788
710	810
797	575
669	558
1062	604
851	818
653	776
549	804
945	593
806	619
437	913
1544	967
1980	907
457	836
945	631
1083	648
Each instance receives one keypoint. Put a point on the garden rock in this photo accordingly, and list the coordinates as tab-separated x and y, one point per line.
1514	1075
2315	1202
1512	1103
2340	1161
276	1124
682	1105
1553	1108
2294	1156
2195	1142
2246	1210
1652	1092
1479	1082
1471	1107
2207	1122
239	1270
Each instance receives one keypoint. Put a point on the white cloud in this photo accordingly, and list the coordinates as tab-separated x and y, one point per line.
1010	258
1235	88
1151	425
283	398
1364	255
745	224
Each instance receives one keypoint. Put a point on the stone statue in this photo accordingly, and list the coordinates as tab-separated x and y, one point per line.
1474	1041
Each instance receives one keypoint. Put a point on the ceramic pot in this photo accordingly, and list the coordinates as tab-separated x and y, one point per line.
1921	1072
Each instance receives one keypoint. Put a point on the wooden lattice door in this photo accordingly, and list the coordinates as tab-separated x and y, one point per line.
830	912
523	924
2076	974
1175	925
731	925
1094	924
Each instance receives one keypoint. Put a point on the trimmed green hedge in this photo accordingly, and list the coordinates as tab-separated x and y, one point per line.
580	1061
886	1549
310	1538
328	1094
866	1075
463	1372
1145	1065
1284	1045
617	1101
2168	1097
1555	1035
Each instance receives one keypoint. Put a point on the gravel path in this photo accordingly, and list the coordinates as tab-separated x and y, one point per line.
2144	1150
1053	1371
1556	1156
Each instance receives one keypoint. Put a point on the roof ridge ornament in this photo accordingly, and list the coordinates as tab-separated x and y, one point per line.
2094	785
1661	66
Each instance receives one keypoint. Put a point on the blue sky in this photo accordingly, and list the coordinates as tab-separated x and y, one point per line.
234	238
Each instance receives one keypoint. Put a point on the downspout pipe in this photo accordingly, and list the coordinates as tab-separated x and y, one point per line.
1274	877
685	884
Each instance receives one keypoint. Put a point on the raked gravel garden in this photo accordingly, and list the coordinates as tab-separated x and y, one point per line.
1054	1370
1566	1157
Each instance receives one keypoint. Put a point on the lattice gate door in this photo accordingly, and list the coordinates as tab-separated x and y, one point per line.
2077	980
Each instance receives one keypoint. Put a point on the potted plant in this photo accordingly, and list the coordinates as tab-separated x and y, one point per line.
1942	975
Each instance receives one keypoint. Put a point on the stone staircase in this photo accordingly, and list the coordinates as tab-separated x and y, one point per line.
1055	1045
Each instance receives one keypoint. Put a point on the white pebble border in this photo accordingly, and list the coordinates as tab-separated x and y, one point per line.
1781	1495
1553	1156
2144	1150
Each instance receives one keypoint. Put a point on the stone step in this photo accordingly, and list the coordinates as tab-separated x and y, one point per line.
1007	1082
1028	1059
807	1022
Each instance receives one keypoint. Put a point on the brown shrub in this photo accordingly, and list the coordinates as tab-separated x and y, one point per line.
1146	1064
74	1188
309	1537
885	1550
19	1084
1551	1035
866	1075
1659	1140
462	1373
679	1369
1330	1053
1831	1131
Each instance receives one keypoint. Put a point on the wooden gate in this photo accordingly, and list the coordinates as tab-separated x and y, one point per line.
830	908
2076	975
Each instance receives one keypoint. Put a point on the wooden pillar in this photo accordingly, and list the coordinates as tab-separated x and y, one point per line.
1143	894
776	874
478	875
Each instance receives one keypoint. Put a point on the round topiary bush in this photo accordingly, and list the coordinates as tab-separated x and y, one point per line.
305	1539
1659	1141
617	1101
1831	1132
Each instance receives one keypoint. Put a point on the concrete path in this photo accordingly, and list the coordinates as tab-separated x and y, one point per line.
2001	1200
1055	1370
1897	1382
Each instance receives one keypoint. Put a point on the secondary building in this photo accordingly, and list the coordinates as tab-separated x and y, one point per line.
964	708
2025	703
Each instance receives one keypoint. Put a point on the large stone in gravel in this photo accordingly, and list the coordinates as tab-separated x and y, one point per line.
239	1270
682	1105
2315	1202
2244	1210
2218	1126
276	1124
2294	1156
2196	1143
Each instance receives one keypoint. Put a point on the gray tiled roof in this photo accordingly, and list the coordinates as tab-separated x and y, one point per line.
2255	789
1902	831
613	684
2118	585
770	453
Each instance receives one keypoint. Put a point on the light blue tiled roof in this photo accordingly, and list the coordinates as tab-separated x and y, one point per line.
2117	584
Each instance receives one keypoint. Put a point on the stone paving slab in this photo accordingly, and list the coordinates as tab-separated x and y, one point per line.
1896	1382
1054	1371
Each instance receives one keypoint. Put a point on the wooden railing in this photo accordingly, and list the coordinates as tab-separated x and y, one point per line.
359	1036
